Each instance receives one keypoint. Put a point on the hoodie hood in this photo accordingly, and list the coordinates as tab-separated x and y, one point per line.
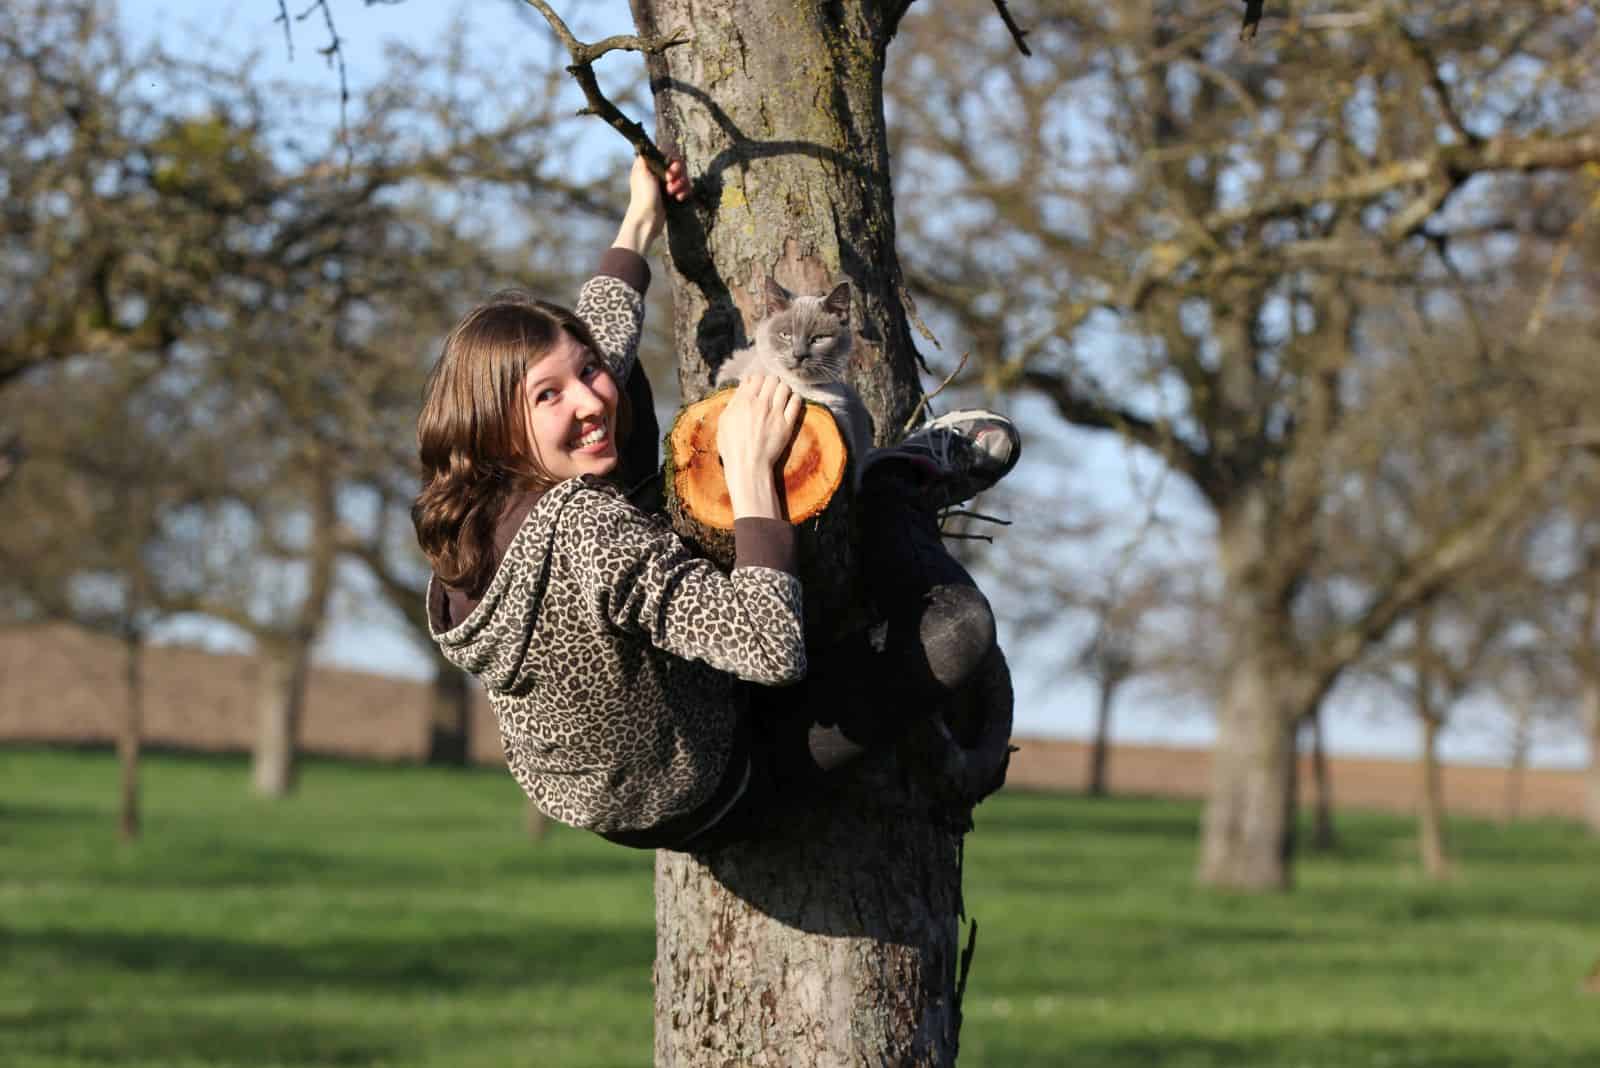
510	604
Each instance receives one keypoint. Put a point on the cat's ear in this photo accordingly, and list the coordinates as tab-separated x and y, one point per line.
838	301
778	298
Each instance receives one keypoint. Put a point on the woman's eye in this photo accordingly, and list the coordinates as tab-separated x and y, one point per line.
590	370
544	396
823	337
783	334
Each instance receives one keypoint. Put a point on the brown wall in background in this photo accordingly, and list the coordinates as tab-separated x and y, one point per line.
60	685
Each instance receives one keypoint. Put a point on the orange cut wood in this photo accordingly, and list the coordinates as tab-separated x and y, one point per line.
813	469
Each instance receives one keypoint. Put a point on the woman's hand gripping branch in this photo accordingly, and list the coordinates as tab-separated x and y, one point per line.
755	429
646	216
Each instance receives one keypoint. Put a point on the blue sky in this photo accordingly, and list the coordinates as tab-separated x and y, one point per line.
1050	700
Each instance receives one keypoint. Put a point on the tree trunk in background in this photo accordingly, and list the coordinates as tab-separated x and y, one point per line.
285	654
833	942
450	716
1247	834
128	736
1100	755
1323	835
1591	720
280	701
1517	765
538	824
1430	816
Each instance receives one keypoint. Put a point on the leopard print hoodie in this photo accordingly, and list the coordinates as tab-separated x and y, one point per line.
609	651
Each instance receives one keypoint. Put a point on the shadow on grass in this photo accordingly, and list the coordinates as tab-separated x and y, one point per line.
165	1033
1332	1049
421	966
1029	812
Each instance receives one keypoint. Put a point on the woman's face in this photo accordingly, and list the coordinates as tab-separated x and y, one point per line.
570	402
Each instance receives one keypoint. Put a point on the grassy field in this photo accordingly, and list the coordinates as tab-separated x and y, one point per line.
399	916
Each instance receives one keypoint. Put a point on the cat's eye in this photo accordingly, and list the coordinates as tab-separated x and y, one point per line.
783	334
822	337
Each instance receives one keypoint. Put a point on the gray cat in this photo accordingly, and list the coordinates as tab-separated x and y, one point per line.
805	342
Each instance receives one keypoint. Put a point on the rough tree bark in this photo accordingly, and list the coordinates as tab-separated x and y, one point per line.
834	942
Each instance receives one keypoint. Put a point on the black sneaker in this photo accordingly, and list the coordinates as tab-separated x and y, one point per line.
965	452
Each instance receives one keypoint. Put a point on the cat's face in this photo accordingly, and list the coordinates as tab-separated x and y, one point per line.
808	337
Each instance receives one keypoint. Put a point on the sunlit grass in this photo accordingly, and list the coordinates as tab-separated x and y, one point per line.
400	916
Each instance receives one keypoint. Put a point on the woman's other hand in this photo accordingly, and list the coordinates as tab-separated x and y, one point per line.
755	429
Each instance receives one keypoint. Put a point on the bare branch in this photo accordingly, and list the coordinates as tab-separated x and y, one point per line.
1081	410
582	70
1557	263
1252	19
926	397
1018	34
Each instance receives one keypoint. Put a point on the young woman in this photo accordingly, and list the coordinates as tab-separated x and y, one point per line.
619	664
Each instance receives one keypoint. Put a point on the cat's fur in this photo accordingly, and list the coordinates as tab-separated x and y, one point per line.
805	341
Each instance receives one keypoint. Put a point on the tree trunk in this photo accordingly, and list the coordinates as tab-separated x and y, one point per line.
1323	835
128	737
1099	756
835	942
1430	817
285	654
450	716
1591	719
1517	765
538	824
280	697
1247	835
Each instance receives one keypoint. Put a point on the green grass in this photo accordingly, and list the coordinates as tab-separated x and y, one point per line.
399	916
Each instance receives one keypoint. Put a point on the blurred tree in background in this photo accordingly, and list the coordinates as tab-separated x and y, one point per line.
178	230
1281	268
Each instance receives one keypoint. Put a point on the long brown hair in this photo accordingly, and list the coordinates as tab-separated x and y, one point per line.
471	433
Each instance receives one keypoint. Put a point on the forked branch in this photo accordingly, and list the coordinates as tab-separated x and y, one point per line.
582	70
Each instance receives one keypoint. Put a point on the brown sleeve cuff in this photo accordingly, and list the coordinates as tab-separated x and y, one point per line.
627	265
759	542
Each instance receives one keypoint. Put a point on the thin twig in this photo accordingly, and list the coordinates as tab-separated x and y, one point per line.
979	515
582	70
334	53
1557	263
1018	34
283	17
926	397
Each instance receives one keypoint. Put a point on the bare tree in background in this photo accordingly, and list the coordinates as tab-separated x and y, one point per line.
1207	248
287	281
100	533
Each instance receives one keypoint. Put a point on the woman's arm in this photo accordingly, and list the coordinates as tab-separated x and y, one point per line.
611	303
642	578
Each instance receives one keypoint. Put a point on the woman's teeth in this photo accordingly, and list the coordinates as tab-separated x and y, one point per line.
592	437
